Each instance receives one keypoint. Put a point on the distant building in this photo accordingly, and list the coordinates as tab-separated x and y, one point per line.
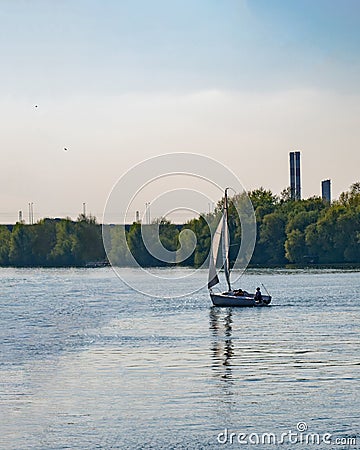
295	176
326	190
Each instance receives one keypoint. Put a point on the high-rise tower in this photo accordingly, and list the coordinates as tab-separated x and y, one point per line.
295	176
326	190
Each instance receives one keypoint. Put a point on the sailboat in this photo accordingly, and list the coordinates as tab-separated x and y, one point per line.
231	297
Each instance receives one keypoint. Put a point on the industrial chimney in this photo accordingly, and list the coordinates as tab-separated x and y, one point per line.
295	176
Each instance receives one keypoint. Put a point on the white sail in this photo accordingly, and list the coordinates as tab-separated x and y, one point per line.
226	243
213	276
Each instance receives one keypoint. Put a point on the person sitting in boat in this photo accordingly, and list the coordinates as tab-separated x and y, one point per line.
239	292
258	297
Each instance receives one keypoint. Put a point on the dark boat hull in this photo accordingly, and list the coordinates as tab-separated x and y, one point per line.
229	300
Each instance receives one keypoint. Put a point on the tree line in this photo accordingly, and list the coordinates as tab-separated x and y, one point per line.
52	243
288	231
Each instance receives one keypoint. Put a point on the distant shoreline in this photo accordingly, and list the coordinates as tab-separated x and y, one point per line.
337	266
285	233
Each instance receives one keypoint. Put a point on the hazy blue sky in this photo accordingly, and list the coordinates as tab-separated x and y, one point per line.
115	82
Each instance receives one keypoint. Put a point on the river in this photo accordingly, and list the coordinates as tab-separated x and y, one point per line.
87	362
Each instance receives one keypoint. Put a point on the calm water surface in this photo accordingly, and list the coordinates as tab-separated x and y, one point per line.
88	363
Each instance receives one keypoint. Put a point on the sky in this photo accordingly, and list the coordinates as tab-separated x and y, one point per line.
116	82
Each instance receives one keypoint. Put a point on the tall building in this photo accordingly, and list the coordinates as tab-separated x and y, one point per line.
326	190
295	176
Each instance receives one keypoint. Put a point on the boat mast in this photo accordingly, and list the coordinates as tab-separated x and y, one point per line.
226	241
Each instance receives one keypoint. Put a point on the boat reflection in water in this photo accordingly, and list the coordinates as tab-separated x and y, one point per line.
222	348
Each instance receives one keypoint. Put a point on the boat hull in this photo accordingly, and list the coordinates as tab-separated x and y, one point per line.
229	300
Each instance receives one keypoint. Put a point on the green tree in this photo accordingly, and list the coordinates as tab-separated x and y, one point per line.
44	240
5	237
351	198
62	253
346	236
21	244
272	238
117	247
88	245
138	249
263	201
168	234
321	237
295	246
201	230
